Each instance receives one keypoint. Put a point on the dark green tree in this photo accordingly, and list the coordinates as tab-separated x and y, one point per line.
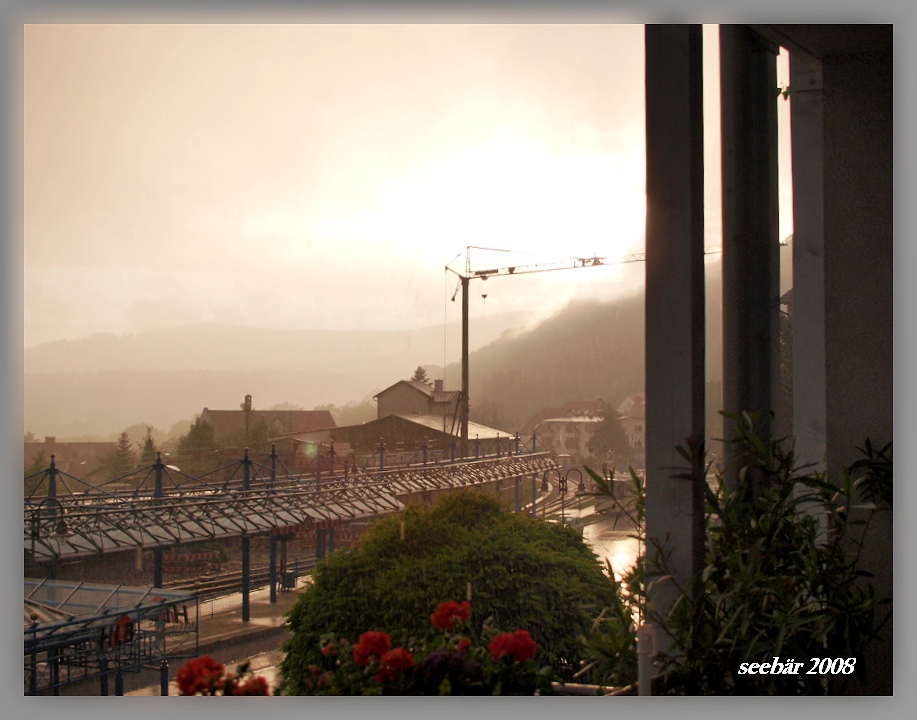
200	438
148	448
39	463
122	459
610	441
523	573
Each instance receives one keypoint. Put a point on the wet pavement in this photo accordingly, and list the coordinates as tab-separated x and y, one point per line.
231	640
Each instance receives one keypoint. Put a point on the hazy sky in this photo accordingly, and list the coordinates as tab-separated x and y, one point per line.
322	176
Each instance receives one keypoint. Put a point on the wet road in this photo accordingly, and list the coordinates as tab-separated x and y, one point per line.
612	543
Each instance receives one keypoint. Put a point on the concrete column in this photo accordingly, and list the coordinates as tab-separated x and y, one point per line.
751	249
808	308
674	292
859	281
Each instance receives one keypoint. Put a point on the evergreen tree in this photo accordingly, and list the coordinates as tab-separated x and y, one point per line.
148	448
420	375
122	459
610	440
200	437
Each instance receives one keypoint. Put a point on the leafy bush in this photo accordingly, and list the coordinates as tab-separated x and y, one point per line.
780	577
523	573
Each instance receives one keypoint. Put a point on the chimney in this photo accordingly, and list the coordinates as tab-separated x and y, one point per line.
437	386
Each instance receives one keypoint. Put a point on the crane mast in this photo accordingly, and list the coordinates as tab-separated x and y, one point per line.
469	274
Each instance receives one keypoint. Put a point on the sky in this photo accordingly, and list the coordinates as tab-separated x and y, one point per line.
322	176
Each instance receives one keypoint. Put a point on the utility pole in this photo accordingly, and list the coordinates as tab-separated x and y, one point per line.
463	400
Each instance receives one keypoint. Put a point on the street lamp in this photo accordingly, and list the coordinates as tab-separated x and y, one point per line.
563	489
54	513
544	488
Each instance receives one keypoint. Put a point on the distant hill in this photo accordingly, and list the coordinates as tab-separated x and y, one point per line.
233	348
102	384
588	350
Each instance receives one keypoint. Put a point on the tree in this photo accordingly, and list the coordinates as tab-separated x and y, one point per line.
199	438
420	375
39	463
523	573
122	460
148	448
610	440
286	406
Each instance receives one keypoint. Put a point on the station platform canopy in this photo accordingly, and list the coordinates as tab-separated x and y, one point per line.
74	631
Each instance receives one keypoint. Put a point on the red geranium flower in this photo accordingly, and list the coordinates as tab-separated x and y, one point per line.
463	645
399	659
371	643
518	645
200	675
255	685
392	662
448	613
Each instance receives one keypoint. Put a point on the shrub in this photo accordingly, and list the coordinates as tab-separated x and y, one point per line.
523	572
780	577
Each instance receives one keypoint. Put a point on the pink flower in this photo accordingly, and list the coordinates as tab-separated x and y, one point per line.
518	645
448	613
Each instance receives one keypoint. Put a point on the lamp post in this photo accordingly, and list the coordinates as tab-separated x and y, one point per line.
544	488
56	515
563	489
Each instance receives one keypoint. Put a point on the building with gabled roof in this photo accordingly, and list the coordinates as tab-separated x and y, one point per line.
408	397
230	425
405	434
574	408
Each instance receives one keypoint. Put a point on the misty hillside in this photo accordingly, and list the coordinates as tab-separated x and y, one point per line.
234	348
587	351
100	385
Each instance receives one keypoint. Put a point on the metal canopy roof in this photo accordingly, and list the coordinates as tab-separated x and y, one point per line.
87	524
73	611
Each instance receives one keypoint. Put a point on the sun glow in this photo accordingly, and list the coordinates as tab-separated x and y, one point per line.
514	196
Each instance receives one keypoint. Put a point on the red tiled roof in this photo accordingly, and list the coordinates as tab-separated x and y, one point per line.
227	422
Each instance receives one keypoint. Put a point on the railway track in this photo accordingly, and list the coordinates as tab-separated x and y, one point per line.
231	582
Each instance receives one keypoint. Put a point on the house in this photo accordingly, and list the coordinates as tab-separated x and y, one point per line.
404	436
412	396
574	407
79	459
568	435
632	416
232	427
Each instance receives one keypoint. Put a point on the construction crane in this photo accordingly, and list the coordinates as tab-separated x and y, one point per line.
469	274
